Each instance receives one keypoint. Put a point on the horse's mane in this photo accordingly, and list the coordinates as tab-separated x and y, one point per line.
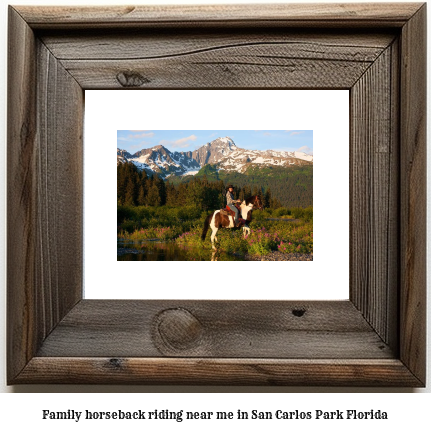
250	199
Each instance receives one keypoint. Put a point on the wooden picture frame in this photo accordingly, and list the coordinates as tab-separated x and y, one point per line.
376	338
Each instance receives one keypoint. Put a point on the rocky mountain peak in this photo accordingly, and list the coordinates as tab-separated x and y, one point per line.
223	142
214	151
123	156
221	152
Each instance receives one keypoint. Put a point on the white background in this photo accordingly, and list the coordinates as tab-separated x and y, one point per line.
325	112
24	410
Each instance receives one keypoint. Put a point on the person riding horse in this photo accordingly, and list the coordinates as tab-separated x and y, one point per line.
231	202
219	218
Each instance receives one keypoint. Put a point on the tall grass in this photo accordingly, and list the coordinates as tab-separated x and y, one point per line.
184	225
285	237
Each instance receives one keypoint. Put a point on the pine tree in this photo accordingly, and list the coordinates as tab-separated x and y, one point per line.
141	195
171	194
162	189
267	198
129	198
121	184
153	197
182	194
279	189
241	195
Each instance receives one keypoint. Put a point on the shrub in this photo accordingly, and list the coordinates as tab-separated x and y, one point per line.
184	226
124	213
128	227
282	211
305	214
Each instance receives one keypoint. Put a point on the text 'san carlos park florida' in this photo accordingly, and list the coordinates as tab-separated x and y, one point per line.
214	195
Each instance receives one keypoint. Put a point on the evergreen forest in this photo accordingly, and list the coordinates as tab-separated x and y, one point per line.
277	187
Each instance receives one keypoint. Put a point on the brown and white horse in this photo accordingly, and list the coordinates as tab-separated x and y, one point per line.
217	220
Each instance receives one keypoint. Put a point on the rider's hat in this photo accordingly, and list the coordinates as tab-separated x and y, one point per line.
230	186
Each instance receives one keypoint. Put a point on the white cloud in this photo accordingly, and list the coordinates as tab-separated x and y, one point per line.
305	149
181	142
144	134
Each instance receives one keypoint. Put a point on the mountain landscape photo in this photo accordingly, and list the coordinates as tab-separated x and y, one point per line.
289	174
170	182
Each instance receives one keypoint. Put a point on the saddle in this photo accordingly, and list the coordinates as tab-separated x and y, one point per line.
228	212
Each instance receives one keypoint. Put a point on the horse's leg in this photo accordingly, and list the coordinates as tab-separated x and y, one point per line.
214	227
246	231
213	236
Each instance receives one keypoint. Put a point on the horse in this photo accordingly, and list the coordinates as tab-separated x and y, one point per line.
219	219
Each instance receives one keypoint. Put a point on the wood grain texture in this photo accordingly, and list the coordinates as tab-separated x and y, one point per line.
21	194
59	180
413	194
231	59
392	304
140	44
229	71
45	105
240	329
53	336
284	64
217	371
253	15
374	194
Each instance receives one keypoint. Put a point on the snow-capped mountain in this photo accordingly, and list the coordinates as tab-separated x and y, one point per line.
160	160
222	152
123	156
214	151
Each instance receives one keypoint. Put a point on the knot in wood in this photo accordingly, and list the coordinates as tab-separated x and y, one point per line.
178	328
115	363
131	79
298	312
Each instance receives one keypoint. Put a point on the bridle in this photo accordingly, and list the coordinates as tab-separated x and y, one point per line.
257	203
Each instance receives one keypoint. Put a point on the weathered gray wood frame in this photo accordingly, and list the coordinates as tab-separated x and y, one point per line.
377	338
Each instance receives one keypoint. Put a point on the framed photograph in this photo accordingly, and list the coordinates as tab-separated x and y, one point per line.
302	195
375	337
178	191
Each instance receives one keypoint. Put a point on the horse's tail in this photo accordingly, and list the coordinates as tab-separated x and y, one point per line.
206	226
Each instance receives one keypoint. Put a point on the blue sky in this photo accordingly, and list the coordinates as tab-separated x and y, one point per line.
189	140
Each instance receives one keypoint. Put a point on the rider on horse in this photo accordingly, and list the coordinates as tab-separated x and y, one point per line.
231	202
